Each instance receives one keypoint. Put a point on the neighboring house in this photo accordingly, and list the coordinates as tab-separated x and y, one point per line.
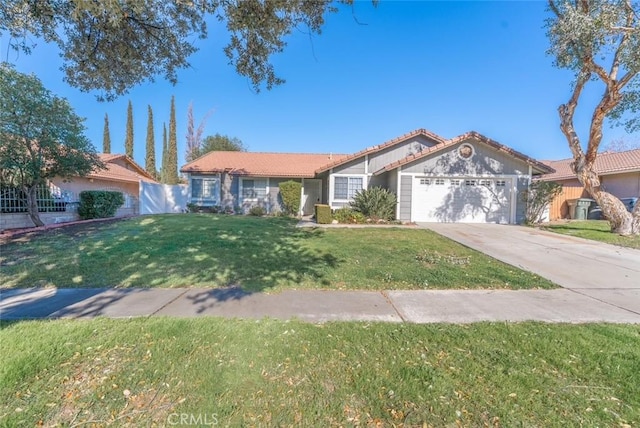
470	178
122	174
619	175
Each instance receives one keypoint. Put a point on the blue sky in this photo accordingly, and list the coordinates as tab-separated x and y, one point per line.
373	74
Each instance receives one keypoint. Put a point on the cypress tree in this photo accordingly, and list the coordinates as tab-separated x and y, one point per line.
172	148
150	160
163	171
128	142
106	136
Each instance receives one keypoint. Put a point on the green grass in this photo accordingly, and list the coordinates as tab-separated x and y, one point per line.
257	253
597	230
141	372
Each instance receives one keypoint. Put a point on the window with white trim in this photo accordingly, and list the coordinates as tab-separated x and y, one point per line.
254	189
439	181
425	181
501	183
205	189
346	187
455	182
485	182
470	182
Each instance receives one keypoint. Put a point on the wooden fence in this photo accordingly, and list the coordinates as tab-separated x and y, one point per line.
559	208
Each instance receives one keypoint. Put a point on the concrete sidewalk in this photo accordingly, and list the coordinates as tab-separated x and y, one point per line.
447	306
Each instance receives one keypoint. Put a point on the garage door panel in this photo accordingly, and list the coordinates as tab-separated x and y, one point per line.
469	200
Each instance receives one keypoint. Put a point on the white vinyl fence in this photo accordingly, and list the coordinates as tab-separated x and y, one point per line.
163	198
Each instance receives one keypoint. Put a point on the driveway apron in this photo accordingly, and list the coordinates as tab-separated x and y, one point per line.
601	271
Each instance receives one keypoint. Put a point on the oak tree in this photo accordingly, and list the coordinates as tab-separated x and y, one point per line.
112	46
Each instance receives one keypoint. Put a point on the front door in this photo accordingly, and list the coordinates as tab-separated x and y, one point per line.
311	195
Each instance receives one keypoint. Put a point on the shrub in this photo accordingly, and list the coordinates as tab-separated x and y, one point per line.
99	203
323	214
290	194
537	197
348	215
257	211
375	203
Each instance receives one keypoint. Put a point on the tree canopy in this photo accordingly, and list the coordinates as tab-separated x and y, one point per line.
219	142
111	46
599	40
41	137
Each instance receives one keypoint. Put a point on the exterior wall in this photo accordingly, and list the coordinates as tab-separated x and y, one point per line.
406	182
275	202
131	191
522	184
22	220
392	180
356	166
385	157
571	189
378	181
485	161
622	185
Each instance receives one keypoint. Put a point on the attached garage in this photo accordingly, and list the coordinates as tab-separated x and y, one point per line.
462	199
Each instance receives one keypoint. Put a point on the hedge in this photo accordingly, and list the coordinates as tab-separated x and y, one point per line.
290	193
99	204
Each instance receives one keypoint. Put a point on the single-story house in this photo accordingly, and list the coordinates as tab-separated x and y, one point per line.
619	175
469	178
122	174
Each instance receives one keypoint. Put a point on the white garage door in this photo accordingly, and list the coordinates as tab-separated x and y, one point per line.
463	200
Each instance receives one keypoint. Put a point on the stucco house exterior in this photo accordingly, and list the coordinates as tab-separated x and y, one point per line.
469	178
619	175
122	174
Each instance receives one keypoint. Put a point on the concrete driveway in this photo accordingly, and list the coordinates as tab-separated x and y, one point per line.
604	272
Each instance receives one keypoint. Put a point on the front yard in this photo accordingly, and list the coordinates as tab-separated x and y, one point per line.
154	372
259	254
597	230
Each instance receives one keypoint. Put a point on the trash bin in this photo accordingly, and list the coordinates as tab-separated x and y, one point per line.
630	203
579	208
582	208
572	208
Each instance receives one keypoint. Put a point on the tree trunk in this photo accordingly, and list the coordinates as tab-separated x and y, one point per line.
32	205
622	221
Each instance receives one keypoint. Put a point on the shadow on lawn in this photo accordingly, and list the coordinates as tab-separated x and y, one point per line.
189	250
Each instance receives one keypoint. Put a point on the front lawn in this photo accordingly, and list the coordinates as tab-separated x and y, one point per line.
207	250
158	372
597	230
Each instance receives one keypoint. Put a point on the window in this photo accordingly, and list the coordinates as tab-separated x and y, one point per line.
470	182
254	189
455	182
439	181
500	183
204	189
346	187
485	182
425	181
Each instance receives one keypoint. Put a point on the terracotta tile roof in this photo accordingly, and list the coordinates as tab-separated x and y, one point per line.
541	167
382	146
115	172
301	165
606	164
